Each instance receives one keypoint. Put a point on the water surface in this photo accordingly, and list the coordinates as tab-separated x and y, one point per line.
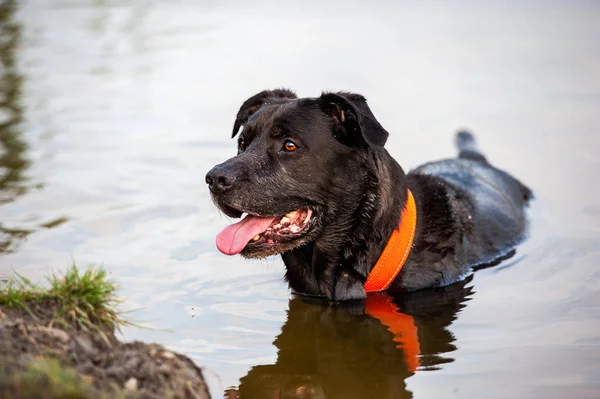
113	111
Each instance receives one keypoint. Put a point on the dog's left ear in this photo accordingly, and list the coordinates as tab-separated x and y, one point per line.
253	104
356	124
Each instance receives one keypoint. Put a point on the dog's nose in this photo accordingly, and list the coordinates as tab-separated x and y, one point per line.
220	178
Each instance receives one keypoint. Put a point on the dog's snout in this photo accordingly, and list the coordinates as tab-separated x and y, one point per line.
220	178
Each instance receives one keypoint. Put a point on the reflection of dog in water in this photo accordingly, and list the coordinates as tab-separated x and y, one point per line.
364	350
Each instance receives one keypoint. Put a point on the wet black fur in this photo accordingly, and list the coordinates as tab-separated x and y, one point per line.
468	212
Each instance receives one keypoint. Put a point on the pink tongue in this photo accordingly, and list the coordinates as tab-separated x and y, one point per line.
234	238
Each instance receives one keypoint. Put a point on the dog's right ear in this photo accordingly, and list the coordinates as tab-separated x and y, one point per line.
253	104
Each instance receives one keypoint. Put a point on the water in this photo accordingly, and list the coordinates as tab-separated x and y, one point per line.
113	111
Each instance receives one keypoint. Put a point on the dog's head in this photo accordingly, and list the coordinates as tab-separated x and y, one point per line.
300	165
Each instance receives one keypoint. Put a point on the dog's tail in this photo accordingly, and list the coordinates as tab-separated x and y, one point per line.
467	147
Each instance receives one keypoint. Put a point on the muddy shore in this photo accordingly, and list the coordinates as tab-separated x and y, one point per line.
100	365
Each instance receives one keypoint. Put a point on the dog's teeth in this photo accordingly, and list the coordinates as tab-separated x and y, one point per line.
291	215
284	220
277	226
307	217
256	238
294	229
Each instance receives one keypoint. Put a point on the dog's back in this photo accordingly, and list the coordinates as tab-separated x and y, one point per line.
489	201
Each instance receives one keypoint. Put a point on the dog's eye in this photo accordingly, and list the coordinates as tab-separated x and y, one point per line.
289	146
241	145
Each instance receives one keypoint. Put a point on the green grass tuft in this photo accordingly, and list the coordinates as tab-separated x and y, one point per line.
85	300
47	379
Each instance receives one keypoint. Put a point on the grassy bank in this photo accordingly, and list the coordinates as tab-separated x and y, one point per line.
80	300
57	340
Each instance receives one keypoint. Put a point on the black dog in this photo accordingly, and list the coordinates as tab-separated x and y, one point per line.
320	189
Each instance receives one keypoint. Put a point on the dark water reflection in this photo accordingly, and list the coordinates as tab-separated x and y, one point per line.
364	350
13	161
13	147
112	112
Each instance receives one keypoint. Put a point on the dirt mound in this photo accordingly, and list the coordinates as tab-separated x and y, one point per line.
101	365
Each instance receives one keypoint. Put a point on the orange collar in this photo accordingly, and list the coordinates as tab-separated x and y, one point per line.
396	250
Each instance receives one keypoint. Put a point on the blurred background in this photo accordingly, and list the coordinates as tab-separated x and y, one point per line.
112	112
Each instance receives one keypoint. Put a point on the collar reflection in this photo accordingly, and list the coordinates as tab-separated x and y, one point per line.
360	350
